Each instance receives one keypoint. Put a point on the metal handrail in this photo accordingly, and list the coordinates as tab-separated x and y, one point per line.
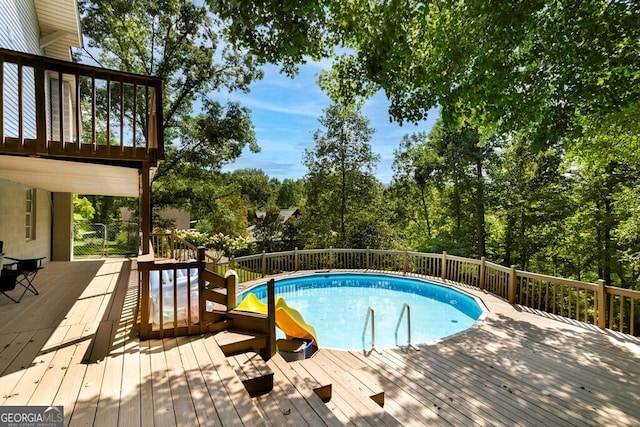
370	314
406	307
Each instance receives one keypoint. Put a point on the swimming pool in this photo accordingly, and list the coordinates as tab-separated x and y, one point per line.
336	306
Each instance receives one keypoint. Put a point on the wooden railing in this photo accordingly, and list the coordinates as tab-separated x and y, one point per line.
171	246
595	303
55	108
181	293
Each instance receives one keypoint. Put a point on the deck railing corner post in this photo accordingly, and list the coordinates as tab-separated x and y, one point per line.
405	263
513	282
602	295
330	262
296	262
443	275
172	243
483	269
263	264
232	283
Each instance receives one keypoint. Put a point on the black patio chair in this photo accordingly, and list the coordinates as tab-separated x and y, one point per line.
28	268
9	278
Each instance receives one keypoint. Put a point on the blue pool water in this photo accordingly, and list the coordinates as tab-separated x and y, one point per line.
337	304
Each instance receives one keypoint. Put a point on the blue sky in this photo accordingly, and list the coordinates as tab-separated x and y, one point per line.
285	114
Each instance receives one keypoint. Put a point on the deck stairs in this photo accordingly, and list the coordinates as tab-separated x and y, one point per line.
245	351
317	388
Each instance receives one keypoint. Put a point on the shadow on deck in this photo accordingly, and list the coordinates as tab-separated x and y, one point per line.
76	345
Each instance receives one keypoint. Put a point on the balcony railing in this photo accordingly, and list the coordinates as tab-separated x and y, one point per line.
55	108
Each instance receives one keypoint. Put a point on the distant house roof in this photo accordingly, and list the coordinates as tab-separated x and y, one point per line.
286	214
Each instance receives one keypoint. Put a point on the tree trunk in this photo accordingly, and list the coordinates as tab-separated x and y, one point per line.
480	230
426	210
508	239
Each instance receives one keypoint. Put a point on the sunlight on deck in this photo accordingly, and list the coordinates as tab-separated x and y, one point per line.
75	345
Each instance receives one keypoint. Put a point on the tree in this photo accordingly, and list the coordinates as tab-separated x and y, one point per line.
415	165
527	66
453	162
177	40
339	182
269	230
82	209
255	186
531	197
290	193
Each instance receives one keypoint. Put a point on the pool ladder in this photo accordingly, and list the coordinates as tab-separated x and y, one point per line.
406	308
371	314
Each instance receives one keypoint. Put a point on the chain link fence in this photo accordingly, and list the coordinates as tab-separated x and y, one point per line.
97	240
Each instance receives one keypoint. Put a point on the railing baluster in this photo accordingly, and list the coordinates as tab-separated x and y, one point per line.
134	115
20	106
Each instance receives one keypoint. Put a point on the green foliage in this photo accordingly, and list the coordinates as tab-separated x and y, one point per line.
180	42
339	183
225	244
269	230
530	67
255	186
290	194
83	210
445	172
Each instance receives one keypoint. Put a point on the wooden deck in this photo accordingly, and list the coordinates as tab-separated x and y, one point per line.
75	345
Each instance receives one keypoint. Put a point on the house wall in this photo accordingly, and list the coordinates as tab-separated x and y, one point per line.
13	202
19	30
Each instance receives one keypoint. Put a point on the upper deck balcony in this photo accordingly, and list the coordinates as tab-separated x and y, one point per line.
58	109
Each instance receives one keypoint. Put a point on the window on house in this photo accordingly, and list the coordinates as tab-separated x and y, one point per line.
30	229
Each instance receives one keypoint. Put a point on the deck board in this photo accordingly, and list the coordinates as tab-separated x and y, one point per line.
75	345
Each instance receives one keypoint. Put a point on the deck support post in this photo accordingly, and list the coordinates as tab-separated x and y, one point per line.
145	206
366	263
296	262
143	268
263	262
271	317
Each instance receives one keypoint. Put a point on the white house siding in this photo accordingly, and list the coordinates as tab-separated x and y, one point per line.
19	31
13	221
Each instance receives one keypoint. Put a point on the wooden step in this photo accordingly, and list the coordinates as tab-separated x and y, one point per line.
355	378
295	391
368	385
350	397
253	371
235	341
319	382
